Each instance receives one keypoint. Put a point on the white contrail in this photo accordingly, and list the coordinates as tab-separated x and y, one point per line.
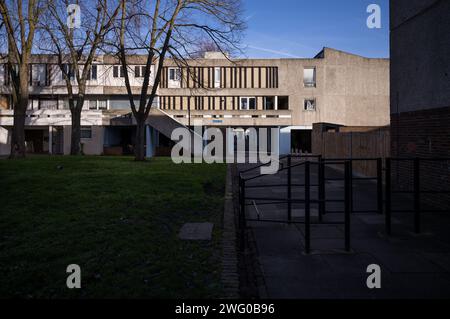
273	51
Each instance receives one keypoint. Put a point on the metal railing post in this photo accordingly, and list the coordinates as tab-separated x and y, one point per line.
242	225
348	204
289	188
417	195
321	189
380	186
307	208
387	196
351	184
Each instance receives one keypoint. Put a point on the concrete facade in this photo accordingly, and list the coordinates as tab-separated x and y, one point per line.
289	94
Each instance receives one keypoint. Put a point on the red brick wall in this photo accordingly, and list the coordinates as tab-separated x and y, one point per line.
423	134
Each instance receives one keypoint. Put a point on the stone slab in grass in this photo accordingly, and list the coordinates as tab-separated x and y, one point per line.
196	231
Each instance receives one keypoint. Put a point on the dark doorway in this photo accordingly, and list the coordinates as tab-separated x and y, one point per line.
301	141
119	140
164	146
34	141
58	141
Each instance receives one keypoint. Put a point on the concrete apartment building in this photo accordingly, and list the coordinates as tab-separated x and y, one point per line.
420	89
288	94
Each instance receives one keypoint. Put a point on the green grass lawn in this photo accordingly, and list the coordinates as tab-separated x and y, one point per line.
117	219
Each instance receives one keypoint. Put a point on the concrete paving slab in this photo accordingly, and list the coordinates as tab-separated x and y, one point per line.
196	231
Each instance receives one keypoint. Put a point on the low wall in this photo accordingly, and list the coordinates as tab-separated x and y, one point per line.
334	141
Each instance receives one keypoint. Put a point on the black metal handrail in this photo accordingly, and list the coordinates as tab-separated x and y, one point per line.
416	192
384	192
307	201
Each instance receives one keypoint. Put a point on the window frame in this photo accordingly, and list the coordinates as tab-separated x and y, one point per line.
86	129
217	77
176	74
310	84
248	98
118	72
69	70
141	69
305	107
92	72
96	104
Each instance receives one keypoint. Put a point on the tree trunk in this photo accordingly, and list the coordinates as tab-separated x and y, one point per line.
75	148
18	133
139	147
20	108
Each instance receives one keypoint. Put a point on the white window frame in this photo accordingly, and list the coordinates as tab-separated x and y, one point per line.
120	72
176	74
99	102
217	77
90	78
87	104
248	98
141	69
312	84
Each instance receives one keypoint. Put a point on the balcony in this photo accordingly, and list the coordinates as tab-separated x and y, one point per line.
52	117
234	118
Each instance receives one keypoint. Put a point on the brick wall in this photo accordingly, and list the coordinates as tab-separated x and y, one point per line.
423	134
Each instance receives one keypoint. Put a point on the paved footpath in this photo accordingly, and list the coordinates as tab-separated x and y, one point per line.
412	266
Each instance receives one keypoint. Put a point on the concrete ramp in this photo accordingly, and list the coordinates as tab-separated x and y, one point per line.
163	122
166	124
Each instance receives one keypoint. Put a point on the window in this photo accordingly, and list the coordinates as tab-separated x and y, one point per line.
65	104
283	102
2	74
118	71
38	74
92	75
139	71
248	103
96	104
68	69
92	104
269	103
217	77
48	104
310	105
174	74
102	105
309	77
86	132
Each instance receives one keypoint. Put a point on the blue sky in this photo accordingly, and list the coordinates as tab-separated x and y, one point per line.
301	28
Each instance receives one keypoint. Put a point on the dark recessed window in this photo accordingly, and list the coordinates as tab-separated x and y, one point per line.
86	132
283	102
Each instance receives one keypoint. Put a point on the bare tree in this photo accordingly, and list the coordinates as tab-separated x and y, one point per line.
205	46
76	49
20	19
171	29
